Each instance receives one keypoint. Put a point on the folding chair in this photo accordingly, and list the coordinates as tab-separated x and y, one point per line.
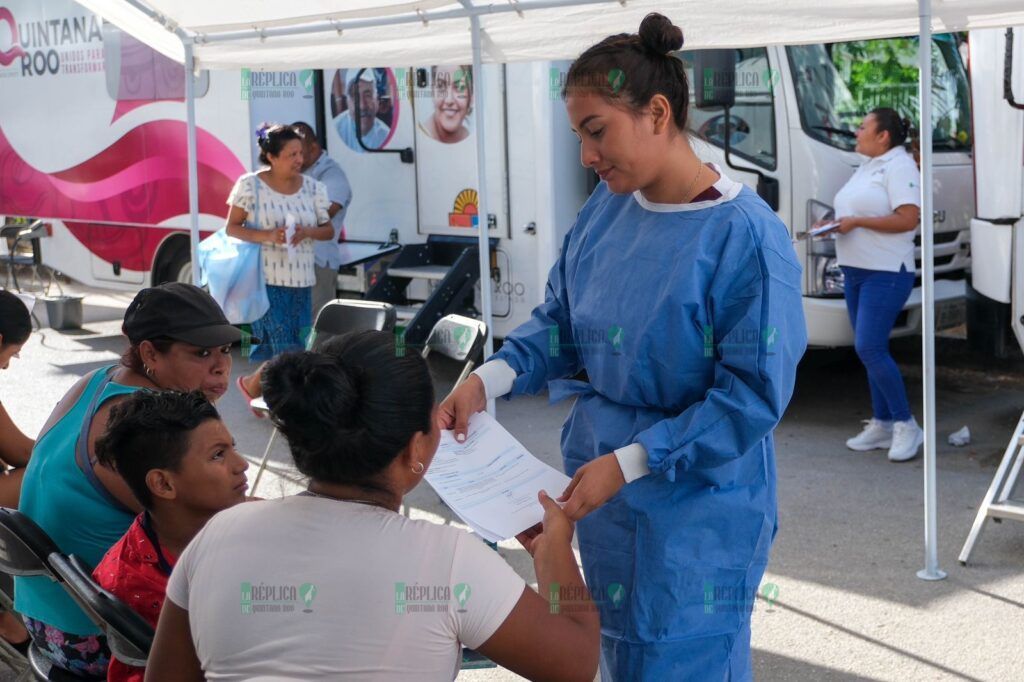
26	550
16	234
128	635
337	317
454	340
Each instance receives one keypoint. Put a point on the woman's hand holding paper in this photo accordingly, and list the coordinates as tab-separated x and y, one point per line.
594	484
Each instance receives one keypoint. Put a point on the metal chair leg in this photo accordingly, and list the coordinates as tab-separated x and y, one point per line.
263	463
998	481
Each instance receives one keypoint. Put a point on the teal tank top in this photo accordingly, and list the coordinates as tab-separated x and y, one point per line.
74	509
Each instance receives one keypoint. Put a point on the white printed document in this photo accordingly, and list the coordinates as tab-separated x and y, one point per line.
491	481
289	234
824	229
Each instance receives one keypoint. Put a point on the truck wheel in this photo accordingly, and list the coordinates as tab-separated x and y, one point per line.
176	266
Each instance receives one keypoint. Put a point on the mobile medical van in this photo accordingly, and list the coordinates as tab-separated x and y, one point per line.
92	140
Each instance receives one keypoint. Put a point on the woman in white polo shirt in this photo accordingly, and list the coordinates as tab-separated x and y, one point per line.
878	211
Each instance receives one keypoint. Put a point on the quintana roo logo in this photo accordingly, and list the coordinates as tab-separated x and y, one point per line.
13	52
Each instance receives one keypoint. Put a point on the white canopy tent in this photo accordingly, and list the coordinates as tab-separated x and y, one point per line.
366	33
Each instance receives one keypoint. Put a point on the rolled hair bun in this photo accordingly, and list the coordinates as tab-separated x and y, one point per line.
317	392
350	407
658	34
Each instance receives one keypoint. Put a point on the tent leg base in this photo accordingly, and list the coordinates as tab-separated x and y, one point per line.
925	574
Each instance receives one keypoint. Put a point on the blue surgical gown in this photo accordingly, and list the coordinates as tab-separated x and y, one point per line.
688	325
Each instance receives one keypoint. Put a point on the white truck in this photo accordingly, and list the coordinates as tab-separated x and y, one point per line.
92	140
996	305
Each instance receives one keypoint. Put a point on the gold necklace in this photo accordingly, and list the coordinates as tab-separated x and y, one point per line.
693	183
371	503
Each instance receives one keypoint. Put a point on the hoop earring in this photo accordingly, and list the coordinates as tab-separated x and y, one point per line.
418	471
149	371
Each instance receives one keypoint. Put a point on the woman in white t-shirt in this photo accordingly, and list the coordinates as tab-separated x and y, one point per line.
878	210
264	206
335	582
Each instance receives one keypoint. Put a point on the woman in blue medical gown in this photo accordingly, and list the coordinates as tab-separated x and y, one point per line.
675	307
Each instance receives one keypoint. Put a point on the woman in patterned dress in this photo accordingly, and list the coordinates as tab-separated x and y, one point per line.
263	206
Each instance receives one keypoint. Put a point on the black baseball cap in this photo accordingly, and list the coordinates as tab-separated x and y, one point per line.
178	311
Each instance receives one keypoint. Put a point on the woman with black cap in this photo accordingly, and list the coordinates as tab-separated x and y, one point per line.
179	339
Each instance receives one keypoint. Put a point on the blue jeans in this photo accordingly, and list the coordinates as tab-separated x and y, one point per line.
874	298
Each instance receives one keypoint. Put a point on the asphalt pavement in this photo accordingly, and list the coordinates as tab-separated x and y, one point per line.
846	603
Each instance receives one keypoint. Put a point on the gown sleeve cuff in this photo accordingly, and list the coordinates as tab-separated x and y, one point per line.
633	461
497	376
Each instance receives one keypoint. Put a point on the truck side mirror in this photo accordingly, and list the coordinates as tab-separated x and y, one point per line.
768	189
714	75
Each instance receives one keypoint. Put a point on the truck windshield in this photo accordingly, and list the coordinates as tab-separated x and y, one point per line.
837	84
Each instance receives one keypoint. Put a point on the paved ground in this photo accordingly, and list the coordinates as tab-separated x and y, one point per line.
849	605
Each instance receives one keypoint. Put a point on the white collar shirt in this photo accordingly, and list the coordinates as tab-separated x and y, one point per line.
878	187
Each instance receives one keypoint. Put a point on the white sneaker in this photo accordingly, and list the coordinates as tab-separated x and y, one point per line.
876	435
906	440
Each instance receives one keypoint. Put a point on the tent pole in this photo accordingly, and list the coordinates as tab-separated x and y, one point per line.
479	98
931	569
193	159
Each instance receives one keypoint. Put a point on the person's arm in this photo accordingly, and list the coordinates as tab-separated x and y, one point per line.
904	219
236	228
759	337
320	233
537	351
324	230
537	640
241	201
173	657
542	348
15	446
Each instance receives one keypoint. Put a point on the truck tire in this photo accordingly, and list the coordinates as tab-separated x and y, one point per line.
175	265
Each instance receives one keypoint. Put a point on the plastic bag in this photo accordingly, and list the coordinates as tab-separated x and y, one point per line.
232	271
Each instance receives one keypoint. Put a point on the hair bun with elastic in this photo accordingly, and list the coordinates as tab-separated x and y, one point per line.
263	133
660	35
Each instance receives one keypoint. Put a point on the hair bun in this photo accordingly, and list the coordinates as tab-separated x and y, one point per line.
659	34
263	134
303	383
